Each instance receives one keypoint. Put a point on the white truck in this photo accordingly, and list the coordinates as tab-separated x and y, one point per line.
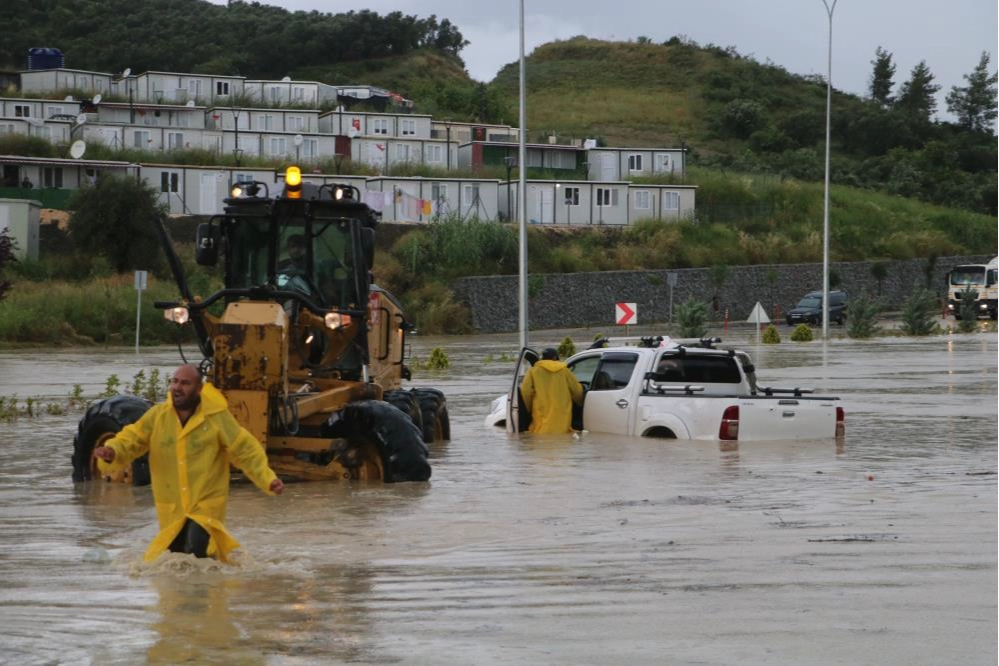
657	387
980	281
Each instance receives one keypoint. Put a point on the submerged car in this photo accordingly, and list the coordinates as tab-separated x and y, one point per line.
809	309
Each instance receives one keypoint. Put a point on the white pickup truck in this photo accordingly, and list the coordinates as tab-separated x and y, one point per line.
657	387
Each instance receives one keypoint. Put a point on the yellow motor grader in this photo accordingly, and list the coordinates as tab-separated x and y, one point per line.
308	352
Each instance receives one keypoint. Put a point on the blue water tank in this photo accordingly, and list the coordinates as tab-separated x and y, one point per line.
45	58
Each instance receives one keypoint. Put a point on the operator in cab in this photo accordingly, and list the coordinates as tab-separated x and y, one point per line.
549	391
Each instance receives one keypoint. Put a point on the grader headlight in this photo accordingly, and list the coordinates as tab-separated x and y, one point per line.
335	320
178	315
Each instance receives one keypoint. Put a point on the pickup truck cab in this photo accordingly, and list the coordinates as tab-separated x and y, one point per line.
657	387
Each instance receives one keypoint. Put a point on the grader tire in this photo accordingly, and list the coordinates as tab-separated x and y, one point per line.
408	403
436	422
391	432
102	421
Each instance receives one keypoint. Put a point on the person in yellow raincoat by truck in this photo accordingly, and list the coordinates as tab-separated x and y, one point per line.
191	439
548	391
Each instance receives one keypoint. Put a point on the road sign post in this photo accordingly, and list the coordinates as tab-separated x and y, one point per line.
625	314
140	284
758	316
671	279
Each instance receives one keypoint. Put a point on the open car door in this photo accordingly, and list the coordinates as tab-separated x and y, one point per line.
518	419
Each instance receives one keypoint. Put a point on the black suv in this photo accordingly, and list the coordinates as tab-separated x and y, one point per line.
809	309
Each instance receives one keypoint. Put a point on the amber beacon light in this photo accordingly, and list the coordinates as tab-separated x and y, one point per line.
293	182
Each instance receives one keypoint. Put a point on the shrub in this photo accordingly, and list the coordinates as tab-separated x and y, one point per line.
692	317
802	333
918	312
566	348
863	312
967	312
771	336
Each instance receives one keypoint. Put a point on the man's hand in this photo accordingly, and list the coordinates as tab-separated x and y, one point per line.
277	486
105	453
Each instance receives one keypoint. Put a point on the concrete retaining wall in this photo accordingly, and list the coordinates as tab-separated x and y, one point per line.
587	299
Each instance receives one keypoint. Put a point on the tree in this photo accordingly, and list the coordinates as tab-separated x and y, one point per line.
882	77
916	98
7	245
975	104
114	218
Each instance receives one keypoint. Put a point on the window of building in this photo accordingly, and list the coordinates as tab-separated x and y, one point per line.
141	139
221	87
606	197
634	162
266	122
471	194
175	140
296	123
434	153
310	148
274	92
663	163
194	87
52	177
22	111
438	192
642	200
169	181
298	93
407	127
277	145
402	152
671	200
380	126
571	196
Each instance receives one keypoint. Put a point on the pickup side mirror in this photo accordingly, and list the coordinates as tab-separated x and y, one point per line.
206	244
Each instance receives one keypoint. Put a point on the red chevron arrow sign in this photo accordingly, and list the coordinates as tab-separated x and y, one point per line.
626	313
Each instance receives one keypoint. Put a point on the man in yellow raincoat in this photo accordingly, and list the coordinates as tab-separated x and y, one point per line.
191	439
548	391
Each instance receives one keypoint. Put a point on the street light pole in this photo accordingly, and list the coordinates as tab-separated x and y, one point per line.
825	199
236	152
522	191
447	128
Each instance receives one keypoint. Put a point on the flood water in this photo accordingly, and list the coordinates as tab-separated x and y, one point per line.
879	550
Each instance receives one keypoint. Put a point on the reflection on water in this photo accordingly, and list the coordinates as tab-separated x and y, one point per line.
541	549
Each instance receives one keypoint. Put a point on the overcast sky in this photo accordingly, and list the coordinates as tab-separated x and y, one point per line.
950	36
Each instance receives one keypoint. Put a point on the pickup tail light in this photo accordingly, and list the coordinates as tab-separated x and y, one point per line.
840	422
729	428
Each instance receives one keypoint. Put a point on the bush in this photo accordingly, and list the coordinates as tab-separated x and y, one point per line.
771	336
918	312
802	333
863	312
692	317
566	348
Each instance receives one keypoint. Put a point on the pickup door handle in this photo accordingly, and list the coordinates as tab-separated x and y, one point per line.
622	403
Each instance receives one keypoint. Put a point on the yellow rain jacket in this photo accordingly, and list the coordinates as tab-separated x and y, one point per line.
548	390
189	467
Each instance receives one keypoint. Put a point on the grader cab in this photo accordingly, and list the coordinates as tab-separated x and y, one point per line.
308	352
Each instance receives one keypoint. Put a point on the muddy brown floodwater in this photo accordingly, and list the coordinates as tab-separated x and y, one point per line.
879	550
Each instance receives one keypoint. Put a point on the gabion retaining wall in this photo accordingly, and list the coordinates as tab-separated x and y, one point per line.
587	299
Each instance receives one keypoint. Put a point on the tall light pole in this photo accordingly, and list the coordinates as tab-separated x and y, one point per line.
236	152
447	127
522	190
830	8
